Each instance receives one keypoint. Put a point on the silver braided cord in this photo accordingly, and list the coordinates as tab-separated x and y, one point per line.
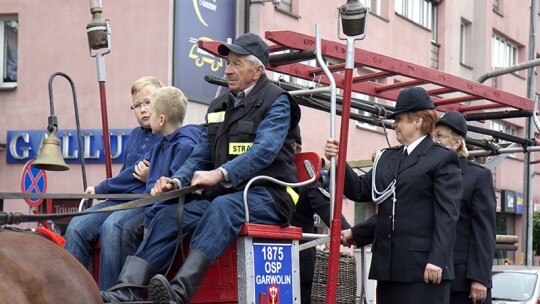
376	195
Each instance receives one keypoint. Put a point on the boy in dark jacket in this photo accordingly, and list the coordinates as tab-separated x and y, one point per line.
168	108
140	140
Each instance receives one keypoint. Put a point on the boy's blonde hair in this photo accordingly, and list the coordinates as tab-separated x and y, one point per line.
143	82
170	102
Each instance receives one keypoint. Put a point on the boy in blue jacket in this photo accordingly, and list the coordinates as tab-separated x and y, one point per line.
168	109
140	141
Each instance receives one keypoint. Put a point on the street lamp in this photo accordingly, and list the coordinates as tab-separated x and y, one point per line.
98	30
50	156
353	15
99	41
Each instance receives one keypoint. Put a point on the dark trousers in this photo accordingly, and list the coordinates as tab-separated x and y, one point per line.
413	293
307	270
215	225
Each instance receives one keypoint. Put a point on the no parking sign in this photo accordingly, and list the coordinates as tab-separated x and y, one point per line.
33	180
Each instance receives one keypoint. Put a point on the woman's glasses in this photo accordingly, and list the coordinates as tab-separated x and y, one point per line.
441	136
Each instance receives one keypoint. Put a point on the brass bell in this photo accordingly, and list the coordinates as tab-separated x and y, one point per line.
50	157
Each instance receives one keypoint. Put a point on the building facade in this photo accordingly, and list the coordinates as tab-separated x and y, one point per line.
465	38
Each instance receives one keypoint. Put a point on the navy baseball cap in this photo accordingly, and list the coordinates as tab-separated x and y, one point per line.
456	121
412	100
247	44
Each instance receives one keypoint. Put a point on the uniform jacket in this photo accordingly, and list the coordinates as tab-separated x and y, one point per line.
138	144
475	242
428	193
229	126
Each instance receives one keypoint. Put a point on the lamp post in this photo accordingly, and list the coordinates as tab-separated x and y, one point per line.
99	35
50	157
353	15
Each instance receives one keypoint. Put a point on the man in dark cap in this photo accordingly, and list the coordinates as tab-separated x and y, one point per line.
475	238
417	187
248	132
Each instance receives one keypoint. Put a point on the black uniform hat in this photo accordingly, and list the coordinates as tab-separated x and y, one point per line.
456	121
247	44
412	100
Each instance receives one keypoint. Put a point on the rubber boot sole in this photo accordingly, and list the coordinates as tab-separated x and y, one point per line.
160	291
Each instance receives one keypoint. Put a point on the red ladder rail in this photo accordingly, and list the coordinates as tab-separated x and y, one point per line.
461	91
445	82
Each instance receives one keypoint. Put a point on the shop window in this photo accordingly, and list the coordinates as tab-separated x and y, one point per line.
9	31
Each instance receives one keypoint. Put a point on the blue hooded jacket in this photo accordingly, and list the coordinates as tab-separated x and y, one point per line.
165	158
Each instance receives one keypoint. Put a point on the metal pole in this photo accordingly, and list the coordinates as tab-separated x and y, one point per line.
100	60
99	40
518	67
353	17
514	148
335	227
528	170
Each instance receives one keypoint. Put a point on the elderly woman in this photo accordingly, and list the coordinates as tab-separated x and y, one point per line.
475	240
417	187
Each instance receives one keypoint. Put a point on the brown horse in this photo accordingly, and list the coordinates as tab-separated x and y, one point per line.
35	270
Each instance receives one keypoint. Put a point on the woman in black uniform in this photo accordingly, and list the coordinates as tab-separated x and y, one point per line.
475	240
418	189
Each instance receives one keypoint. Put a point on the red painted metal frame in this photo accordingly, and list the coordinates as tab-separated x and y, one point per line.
302	173
335	227
438	83
271	232
105	126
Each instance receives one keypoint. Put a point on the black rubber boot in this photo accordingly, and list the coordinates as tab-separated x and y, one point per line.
132	284
184	284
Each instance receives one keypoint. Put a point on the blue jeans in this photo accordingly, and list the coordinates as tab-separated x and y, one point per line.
215	225
84	231
132	235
